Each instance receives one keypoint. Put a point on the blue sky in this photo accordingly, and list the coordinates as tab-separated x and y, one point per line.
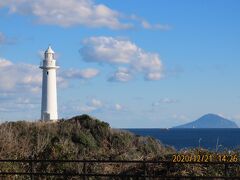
142	64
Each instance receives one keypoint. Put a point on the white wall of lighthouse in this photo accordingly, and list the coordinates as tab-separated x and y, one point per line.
49	86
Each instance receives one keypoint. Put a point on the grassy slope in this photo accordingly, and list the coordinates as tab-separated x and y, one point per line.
83	137
77	138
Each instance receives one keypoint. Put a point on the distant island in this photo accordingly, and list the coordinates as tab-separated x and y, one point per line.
210	121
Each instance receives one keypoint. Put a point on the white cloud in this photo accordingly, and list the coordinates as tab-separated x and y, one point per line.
68	13
87	109
61	81
109	50
22	77
77	12
95	103
19	101
147	25
121	75
168	100
4	63
164	27
154	76
18	77
92	105
31	101
164	101
118	107
82	74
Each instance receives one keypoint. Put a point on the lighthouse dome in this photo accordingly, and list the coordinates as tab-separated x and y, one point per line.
49	50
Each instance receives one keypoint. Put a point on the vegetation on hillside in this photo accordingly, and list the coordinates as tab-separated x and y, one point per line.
81	137
84	137
77	138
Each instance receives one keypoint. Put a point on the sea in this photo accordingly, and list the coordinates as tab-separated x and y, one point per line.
211	139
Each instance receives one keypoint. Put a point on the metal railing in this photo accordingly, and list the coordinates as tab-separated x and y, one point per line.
84	174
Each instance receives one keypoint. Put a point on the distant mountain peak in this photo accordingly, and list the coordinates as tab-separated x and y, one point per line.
211	115
210	121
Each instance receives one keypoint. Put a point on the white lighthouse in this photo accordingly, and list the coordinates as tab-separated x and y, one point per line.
49	86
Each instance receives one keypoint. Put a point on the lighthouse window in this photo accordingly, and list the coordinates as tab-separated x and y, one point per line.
47	72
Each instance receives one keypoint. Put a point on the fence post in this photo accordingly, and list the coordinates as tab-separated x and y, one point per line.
31	168
168	168
145	169
226	170
84	170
